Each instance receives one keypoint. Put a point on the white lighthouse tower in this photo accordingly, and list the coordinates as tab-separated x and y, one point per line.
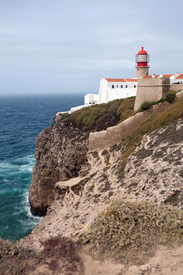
142	60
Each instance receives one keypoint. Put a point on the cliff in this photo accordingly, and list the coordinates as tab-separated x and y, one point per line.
153	174
61	149
136	185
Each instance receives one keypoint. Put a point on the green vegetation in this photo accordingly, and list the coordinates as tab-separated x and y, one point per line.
170	96
129	231
64	117
126	109
112	112
159	101
53	124
146	105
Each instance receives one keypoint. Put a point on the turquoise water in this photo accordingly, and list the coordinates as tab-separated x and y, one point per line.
22	118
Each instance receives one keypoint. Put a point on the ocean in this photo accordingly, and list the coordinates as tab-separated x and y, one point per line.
22	118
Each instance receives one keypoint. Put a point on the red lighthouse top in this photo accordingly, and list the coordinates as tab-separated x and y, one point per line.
142	58
142	51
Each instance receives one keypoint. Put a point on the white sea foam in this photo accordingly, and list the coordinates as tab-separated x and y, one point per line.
26	205
24	164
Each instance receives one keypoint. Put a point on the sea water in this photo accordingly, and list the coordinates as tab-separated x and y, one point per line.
22	118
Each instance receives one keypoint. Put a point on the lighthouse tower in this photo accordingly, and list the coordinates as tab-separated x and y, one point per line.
142	60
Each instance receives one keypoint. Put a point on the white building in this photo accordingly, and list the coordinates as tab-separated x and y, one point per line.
174	78
111	89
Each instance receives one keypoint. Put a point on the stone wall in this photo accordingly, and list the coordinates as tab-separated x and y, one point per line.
114	135
176	87
151	89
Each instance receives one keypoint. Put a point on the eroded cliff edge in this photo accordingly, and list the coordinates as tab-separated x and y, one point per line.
61	150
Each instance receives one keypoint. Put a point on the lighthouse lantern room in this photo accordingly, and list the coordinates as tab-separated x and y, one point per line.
142	60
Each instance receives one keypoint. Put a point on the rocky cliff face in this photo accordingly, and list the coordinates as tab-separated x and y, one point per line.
153	173
60	151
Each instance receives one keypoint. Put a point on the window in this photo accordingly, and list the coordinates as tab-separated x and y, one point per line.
112	86
134	86
121	86
126	86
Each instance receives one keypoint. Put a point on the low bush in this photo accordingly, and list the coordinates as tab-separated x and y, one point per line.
65	249
159	101
15	260
169	96
130	231
146	105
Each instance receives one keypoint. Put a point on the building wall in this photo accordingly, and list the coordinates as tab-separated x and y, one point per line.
91	99
151	89
115	90
121	93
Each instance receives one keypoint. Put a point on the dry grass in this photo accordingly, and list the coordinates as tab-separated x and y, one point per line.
108	114
129	232
153	123
60	254
16	260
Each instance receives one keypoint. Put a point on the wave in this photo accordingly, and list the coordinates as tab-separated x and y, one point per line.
16	173
24	164
26	206
15	179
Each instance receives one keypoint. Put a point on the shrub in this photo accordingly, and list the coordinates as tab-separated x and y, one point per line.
170	96
60	247
157	102
129	231
64	248
15	259
146	105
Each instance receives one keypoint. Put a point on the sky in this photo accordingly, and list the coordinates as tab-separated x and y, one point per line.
59	46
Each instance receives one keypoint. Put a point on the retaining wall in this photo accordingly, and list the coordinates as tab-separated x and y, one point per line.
114	135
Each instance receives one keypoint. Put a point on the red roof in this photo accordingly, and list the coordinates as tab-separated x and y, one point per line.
180	76
132	80
155	76
142	51
120	80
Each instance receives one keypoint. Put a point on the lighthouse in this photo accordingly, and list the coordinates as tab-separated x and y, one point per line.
142	60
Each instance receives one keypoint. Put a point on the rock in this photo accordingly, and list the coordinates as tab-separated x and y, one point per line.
60	152
144	267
